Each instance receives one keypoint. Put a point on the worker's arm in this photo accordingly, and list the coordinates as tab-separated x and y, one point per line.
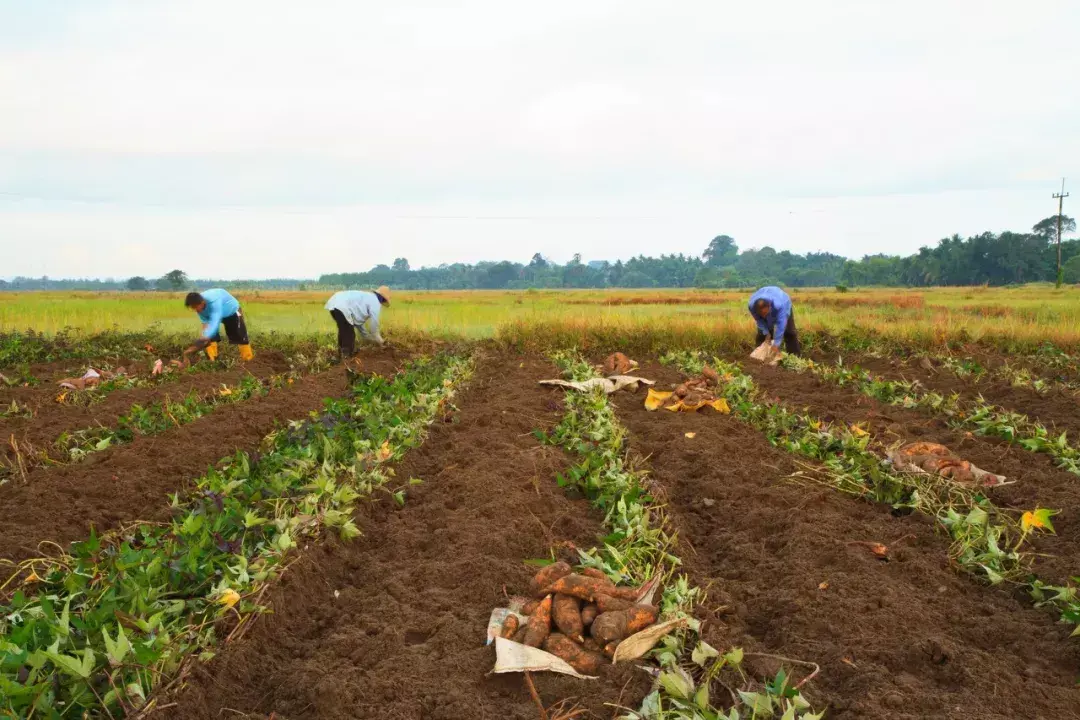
783	311
374	334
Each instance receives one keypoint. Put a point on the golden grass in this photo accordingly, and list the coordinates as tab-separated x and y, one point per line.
1024	316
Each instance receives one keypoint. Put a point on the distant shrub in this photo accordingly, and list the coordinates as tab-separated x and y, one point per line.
841	288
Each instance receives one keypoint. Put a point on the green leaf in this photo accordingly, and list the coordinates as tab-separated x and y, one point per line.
283	541
675	684
789	714
349	530
416	481
399	497
701	697
703	652
116	650
734	656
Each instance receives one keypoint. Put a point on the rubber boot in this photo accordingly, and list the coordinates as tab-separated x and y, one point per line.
246	353
211	351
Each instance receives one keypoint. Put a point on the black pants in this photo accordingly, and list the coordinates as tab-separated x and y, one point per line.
791	336
235	329
346	334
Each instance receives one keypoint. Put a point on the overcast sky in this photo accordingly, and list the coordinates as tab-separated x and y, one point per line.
280	138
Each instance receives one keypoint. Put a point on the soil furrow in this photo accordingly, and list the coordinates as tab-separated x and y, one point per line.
391	625
904	639
1055	410
1038	482
132	481
51	419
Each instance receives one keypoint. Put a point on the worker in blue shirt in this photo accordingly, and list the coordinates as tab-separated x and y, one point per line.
215	308
775	318
360	310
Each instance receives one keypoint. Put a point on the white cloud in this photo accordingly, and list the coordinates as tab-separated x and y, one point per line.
696	114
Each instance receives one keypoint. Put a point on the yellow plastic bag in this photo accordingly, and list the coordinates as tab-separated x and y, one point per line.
657	399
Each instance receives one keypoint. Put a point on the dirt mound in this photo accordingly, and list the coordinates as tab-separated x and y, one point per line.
1056	410
392	624
131	482
907	638
1037	482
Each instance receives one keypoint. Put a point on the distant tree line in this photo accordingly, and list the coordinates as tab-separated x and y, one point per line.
988	258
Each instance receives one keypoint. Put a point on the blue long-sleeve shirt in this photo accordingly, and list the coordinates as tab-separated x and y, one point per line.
219	305
779	312
359	308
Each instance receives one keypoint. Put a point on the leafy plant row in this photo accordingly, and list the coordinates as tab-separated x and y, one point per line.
975	415
639	548
152	419
93	632
1014	375
987	541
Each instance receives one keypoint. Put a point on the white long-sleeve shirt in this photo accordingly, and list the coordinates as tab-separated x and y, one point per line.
361	309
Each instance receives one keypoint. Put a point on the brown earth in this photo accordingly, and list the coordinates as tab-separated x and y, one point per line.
392	624
1058	410
1038	482
904	639
132	482
51	418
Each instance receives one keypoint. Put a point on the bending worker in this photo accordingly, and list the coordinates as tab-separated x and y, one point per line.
217	307
357	309
775	318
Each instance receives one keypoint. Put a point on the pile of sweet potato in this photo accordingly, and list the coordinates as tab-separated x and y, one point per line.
580	617
699	389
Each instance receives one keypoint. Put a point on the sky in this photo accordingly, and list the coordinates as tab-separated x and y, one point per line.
265	138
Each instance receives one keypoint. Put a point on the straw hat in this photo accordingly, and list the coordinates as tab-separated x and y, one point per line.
385	292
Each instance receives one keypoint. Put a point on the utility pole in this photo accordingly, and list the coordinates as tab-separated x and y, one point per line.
1060	197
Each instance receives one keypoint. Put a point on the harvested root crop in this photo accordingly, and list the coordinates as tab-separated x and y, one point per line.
937	459
617	364
584	661
546	577
539	625
509	627
589	613
566	613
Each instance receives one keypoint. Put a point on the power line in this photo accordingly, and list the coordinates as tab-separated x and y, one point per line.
1060	197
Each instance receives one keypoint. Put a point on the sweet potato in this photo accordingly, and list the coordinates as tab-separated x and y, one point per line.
610	648
566	614
591	644
519	636
530	607
618	624
639	617
594	573
681	391
539	624
546	576
609	627
582	660
589	613
580	586
607	603
624	593
711	375
509	626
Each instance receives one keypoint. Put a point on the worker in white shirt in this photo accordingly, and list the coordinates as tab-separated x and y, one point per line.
360	310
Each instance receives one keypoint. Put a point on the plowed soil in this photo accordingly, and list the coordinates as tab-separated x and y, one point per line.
391	625
904	639
1057	410
51	419
132	482
1039	482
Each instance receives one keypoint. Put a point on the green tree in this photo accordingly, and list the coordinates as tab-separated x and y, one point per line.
1047	227
138	283
722	251
1070	271
401	265
173	280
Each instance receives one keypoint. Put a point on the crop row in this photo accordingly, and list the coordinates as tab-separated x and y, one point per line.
154	418
638	548
975	415
987	541
97	629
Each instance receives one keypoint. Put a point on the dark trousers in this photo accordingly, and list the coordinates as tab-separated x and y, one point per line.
346	334
791	337
235	329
